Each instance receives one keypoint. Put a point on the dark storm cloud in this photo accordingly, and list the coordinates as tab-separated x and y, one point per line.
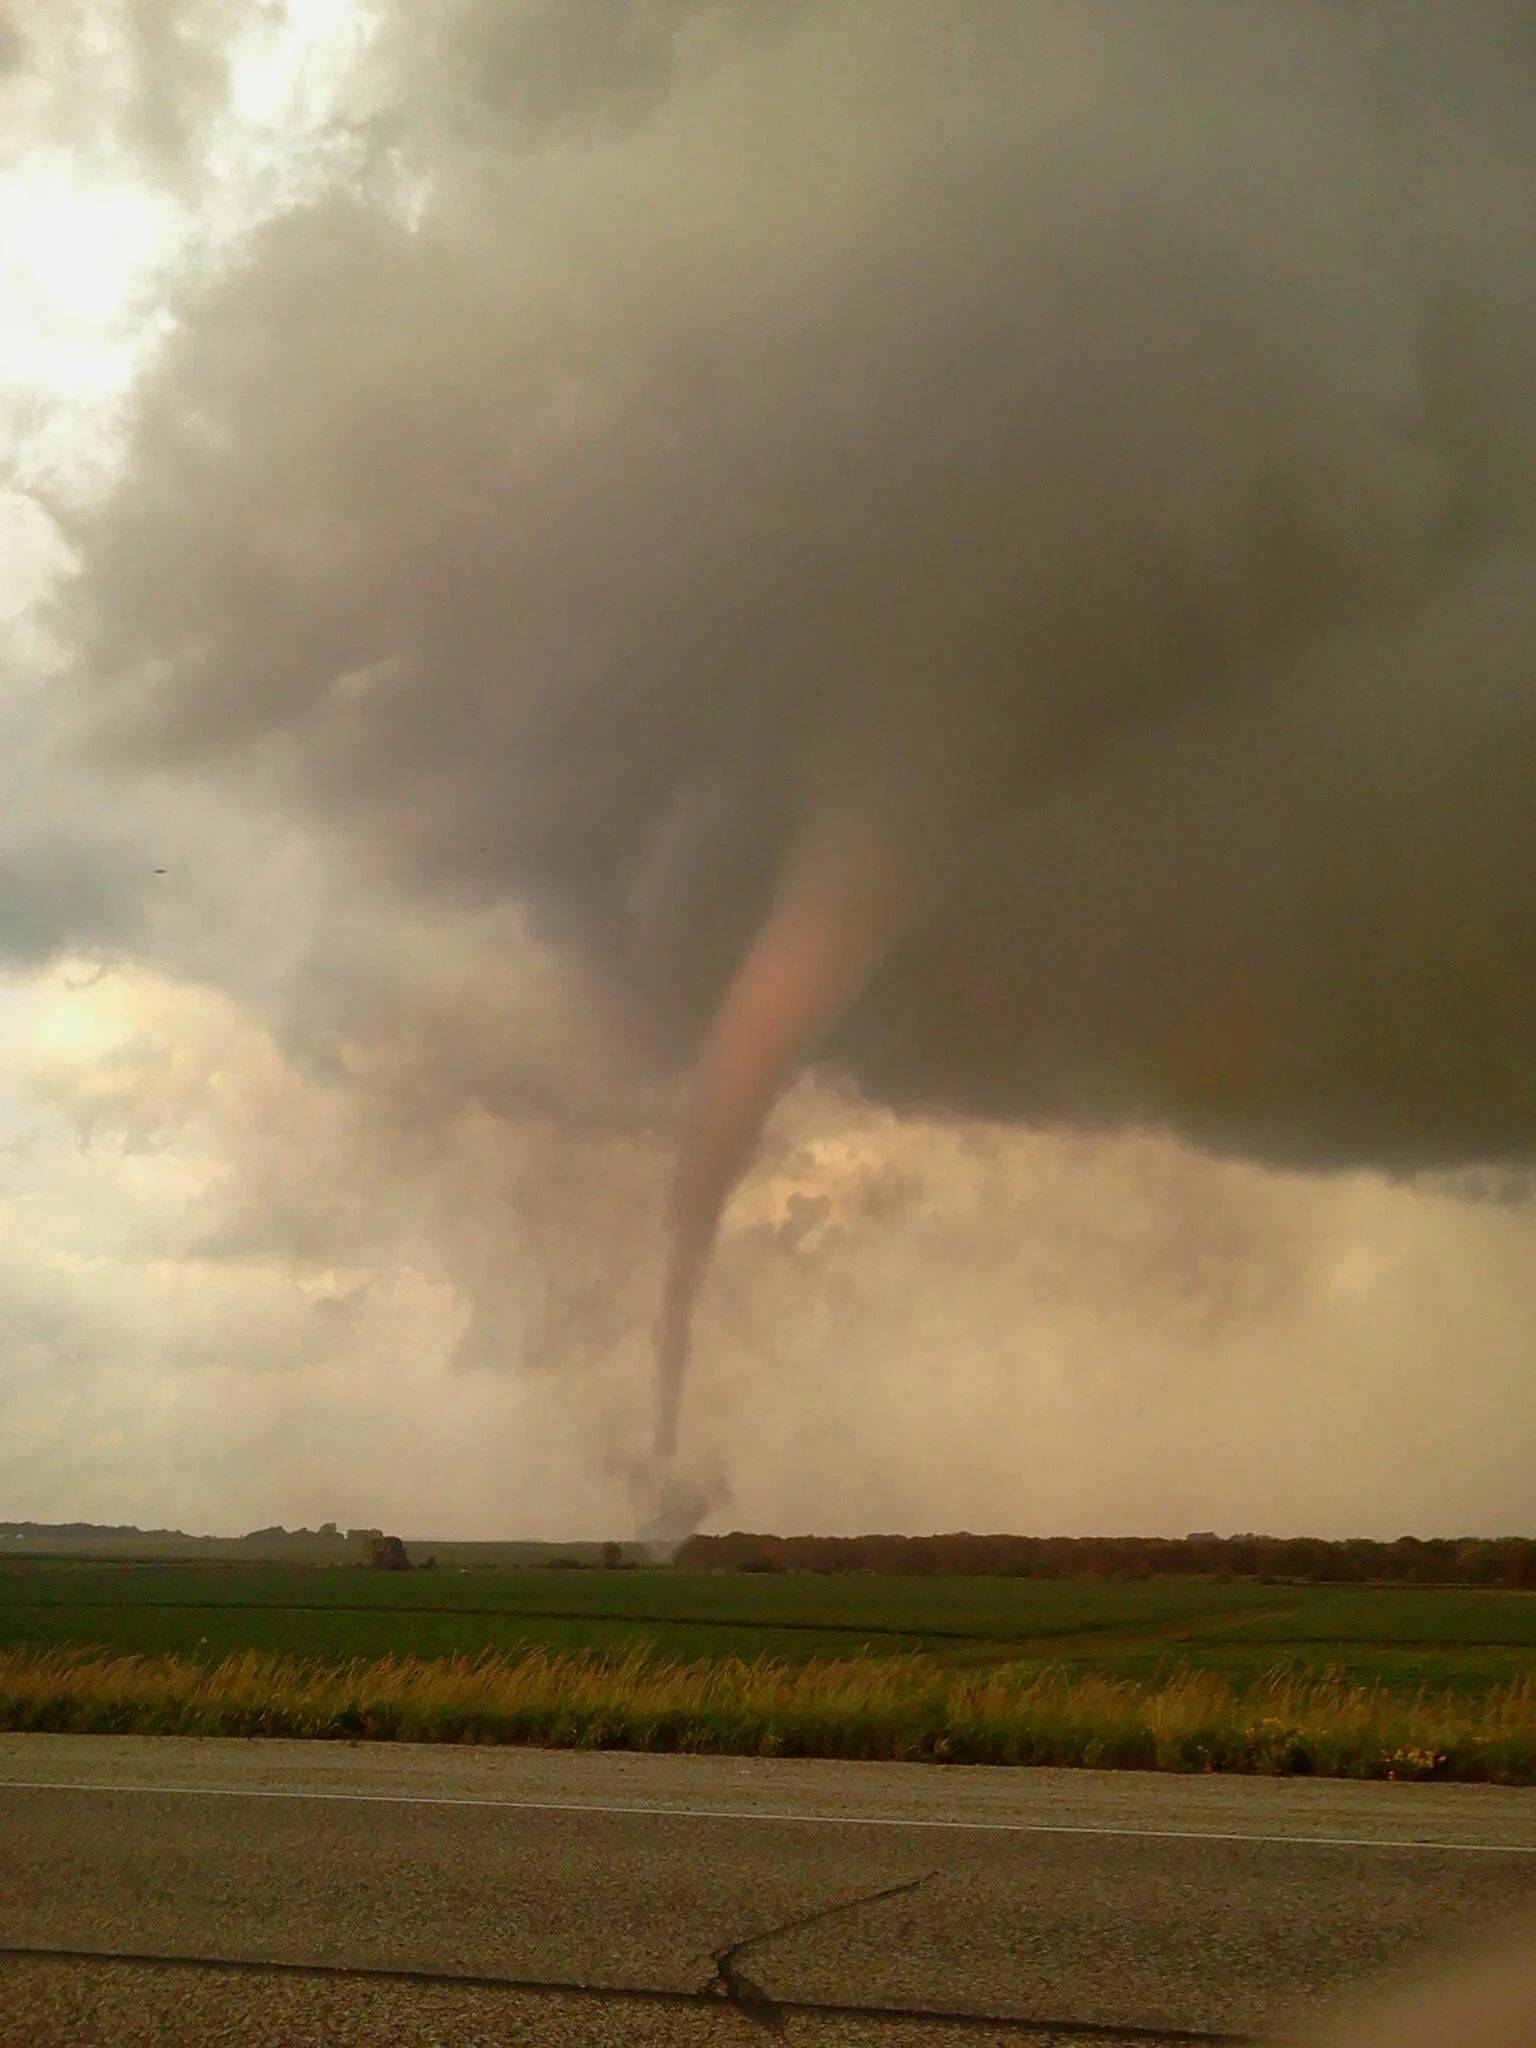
76	865
1301	928
1088	450
58	889
547	71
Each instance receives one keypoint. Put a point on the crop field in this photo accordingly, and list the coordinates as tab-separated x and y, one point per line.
1405	1639
339	1612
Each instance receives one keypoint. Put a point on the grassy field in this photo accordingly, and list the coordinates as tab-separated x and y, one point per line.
1330	1677
1406	1639
303	1611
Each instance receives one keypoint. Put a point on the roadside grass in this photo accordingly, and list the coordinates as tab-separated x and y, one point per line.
900	1708
1470	1670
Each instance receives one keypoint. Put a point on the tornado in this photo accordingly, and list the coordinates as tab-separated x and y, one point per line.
846	892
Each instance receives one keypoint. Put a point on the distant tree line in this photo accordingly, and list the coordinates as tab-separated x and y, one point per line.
327	1530
83	1529
1355	1560
72	1531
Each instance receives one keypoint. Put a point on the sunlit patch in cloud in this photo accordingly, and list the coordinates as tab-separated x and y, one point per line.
95	217
75	257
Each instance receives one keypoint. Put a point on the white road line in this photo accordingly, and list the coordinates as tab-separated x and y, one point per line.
838	1820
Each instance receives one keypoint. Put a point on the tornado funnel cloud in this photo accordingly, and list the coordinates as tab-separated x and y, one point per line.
838	909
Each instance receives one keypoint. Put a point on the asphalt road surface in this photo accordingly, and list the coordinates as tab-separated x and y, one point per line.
179	1891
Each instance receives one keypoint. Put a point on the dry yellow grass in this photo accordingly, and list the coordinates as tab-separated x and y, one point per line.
908	1708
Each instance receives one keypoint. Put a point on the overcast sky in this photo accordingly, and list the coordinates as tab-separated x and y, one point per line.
489	492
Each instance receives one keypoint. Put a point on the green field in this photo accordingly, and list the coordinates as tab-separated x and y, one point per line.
1407	1640
1171	1674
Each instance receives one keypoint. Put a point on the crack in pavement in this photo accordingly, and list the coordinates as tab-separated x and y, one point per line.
756	2004
732	1986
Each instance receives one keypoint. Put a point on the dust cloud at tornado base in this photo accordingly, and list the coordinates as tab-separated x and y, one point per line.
1041	513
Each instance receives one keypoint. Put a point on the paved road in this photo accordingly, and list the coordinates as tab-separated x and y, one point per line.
292	1892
